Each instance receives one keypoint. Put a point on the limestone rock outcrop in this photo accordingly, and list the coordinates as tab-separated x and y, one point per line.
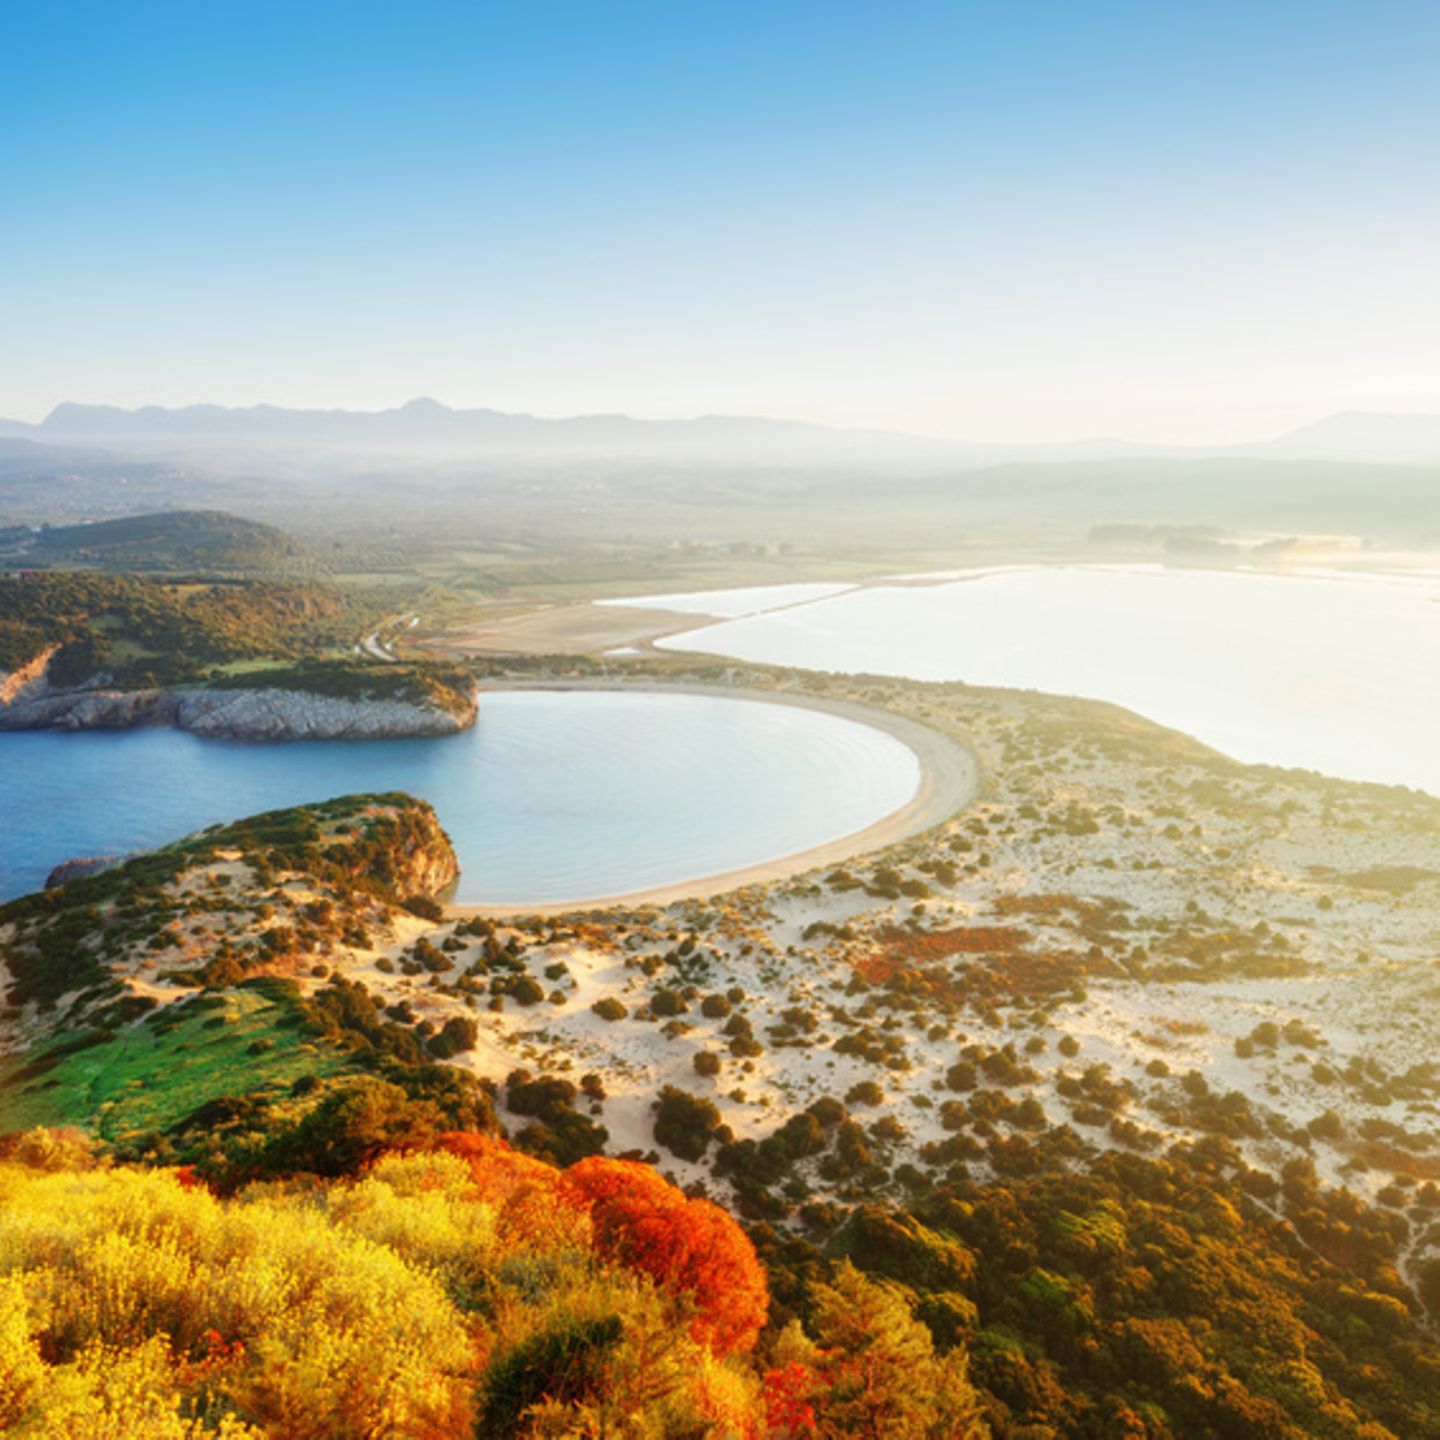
28	702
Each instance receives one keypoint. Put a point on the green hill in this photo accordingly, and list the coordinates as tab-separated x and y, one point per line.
206	906
141	631
189	542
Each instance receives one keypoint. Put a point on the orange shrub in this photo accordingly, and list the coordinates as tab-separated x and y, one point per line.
530	1200
645	1223
964	939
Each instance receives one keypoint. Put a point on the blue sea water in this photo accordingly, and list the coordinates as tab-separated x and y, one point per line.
553	796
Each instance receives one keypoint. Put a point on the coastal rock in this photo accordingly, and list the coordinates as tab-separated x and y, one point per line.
81	867
426	865
25	679
87	710
28	703
298	715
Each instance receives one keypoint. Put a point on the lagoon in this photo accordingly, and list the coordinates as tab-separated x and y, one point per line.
551	797
1330	671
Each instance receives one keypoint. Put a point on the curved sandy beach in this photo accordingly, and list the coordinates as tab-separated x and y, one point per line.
950	777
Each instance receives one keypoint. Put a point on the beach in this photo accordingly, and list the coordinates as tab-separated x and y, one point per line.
950	778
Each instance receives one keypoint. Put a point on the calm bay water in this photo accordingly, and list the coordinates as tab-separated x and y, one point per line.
552	796
1332	672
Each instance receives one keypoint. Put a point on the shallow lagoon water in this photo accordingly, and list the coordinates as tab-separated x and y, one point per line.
1332	672
553	796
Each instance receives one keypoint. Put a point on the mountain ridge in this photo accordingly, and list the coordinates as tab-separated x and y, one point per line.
422	421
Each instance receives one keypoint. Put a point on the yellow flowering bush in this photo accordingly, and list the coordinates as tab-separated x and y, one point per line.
135	1305
153	1301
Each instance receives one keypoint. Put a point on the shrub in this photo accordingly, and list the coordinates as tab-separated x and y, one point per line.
527	991
351	1336
666	1002
684	1123
688	1245
563	1365
459	1033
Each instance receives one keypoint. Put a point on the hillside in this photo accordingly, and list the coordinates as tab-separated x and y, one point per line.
252	659
140	631
196	543
1152	1147
433	1281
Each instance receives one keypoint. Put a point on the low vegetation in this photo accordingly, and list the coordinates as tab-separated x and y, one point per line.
186	542
1045	1123
139	632
463	1289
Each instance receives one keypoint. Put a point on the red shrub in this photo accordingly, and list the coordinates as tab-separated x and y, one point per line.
644	1222
788	1393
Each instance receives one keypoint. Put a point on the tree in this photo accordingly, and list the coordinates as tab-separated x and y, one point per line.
1430	1285
877	1374
528	1198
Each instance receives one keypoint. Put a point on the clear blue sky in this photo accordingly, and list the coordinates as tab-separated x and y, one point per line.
1009	220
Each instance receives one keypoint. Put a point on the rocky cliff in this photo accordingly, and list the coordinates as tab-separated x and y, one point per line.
272	893
22	680
82	867
28	702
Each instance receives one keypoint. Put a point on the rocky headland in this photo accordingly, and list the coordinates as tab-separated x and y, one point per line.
264	712
82	867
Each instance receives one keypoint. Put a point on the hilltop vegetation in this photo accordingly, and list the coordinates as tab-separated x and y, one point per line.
128	632
440	687
1149	1297
165	1014
212	892
183	542
140	631
460	1290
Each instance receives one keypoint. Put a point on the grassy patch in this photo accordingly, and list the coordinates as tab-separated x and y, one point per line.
147	1076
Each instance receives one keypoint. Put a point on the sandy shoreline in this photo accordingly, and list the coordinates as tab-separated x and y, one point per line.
950	777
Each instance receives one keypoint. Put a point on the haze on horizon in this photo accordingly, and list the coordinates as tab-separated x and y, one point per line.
1197	224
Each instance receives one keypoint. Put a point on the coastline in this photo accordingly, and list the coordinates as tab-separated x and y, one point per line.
238	713
951	776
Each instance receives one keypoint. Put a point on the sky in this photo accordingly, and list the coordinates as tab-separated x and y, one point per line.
1002	221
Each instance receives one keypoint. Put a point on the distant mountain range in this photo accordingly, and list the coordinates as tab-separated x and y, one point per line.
1361	435
426	425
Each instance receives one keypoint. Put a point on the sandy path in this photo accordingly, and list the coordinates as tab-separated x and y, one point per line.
950	777
565	630
372	647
